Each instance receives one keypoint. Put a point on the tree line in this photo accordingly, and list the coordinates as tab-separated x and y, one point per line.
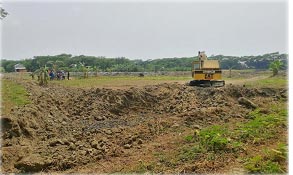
68	62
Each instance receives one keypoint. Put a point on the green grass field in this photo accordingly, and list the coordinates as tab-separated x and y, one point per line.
12	94
272	82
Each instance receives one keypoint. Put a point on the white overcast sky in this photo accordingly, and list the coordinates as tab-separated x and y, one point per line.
143	30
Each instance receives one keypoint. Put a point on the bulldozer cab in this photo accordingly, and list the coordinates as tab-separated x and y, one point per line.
196	65
206	72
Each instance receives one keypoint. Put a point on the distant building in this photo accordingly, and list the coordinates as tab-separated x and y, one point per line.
73	65
19	68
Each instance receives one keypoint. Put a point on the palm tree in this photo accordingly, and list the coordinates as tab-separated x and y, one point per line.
275	66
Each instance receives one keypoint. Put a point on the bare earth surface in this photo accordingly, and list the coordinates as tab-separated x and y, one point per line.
104	130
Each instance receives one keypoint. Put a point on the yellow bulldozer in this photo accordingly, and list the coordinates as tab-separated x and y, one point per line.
206	73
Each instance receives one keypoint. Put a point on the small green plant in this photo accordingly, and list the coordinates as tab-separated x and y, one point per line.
275	66
214	138
189	138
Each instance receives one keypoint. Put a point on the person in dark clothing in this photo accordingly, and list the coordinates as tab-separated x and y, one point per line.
68	75
51	74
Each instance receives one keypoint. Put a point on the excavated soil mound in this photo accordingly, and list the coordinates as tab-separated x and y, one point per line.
64	128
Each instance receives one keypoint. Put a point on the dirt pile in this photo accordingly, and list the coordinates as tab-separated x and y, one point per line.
65	128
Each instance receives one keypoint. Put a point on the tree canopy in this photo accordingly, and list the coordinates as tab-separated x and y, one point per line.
122	64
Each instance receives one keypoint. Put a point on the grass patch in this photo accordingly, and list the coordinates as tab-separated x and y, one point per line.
207	142
13	94
262	127
272	82
191	153
271	161
143	167
216	138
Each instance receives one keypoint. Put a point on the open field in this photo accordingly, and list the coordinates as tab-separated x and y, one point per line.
154	124
239	77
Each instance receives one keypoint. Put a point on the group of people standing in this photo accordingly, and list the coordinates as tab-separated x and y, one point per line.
60	75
